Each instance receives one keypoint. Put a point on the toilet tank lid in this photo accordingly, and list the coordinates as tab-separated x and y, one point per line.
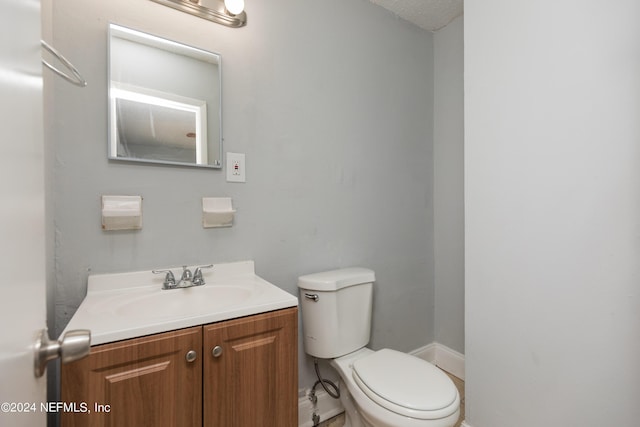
336	279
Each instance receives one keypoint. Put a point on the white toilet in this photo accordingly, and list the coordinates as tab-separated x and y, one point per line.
386	388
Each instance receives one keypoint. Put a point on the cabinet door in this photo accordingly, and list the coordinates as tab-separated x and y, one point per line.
253	381
144	381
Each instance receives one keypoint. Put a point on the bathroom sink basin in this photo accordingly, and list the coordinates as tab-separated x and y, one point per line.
194	300
128	305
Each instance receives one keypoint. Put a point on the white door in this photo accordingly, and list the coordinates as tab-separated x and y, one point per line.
22	235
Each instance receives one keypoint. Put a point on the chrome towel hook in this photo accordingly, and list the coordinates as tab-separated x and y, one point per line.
77	78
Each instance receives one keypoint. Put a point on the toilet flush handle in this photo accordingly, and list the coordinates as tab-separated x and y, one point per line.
313	297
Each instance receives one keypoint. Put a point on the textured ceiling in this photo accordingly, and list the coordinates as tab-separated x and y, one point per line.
428	14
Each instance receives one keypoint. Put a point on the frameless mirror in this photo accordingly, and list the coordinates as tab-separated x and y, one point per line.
164	101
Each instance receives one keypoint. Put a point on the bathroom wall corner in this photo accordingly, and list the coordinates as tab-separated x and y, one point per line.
444	357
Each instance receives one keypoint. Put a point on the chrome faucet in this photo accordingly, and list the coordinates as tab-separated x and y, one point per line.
186	274
197	279
187	279
169	279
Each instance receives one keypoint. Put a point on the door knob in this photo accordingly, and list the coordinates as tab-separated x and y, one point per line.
71	346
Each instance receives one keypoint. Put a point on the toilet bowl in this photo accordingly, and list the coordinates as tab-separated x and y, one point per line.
384	388
388	388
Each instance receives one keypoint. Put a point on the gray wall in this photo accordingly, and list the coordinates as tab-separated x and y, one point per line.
552	213
448	185
332	102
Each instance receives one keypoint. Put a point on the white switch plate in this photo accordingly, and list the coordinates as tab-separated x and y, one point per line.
236	167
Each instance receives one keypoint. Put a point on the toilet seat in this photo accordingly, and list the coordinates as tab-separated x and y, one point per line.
406	385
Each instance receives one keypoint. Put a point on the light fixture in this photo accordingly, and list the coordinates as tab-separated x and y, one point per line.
226	12
234	7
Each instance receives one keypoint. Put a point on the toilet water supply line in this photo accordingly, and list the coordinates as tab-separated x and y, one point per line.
315	418
335	393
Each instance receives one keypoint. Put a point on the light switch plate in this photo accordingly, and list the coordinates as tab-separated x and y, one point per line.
236	167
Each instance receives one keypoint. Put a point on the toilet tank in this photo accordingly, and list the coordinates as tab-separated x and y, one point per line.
336	311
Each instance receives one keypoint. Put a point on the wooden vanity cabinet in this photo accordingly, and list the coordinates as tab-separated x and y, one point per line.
251	371
250	380
138	382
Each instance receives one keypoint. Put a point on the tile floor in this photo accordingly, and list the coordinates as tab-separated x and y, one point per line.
338	421
460	385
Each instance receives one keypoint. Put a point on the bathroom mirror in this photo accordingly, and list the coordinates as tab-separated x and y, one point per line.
164	101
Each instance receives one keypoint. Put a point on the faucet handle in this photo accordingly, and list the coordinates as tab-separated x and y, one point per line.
197	275
169	279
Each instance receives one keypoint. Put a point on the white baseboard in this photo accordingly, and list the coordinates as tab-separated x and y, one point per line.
428	352
443	357
464	424
326	407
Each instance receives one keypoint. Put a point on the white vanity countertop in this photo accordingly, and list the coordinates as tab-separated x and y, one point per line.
128	305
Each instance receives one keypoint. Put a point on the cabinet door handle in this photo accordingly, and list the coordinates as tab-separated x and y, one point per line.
217	351
191	356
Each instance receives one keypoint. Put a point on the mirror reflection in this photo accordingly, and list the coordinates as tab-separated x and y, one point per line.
164	101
